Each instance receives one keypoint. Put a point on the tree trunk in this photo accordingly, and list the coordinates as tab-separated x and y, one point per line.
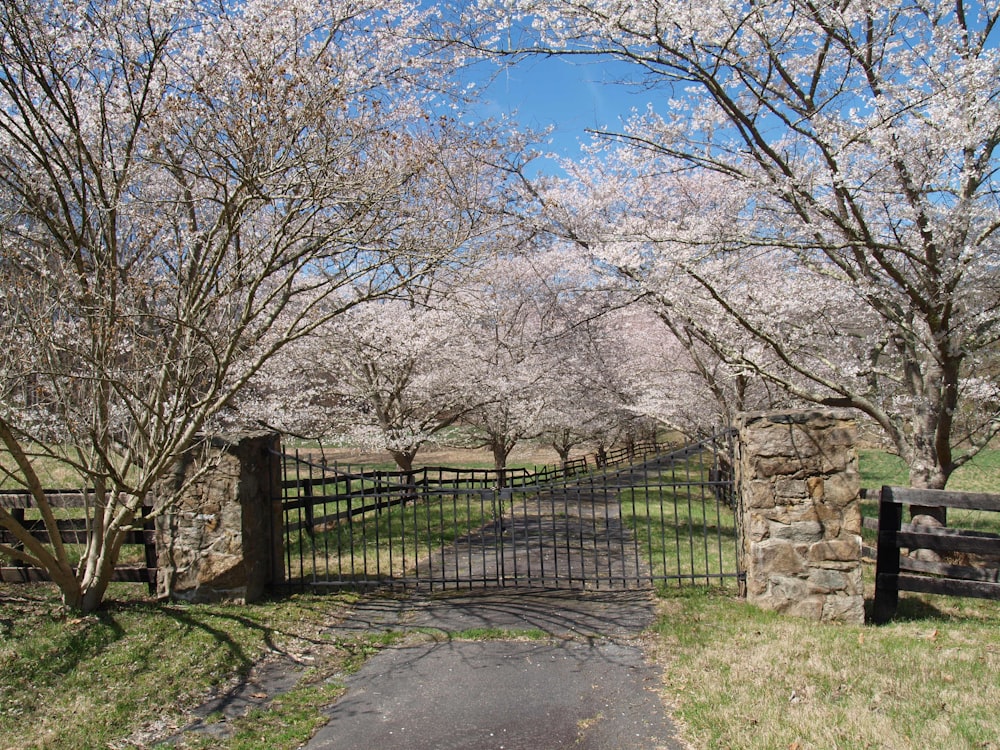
93	596
929	464
100	568
404	459
501	450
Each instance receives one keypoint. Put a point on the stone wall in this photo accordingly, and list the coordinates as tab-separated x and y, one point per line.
801	513
217	540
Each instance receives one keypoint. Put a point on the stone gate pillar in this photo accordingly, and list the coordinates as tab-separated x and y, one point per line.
801	513
220	539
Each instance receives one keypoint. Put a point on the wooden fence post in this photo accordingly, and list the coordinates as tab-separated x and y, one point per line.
890	518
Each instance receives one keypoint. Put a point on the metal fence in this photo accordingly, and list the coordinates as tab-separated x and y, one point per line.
630	519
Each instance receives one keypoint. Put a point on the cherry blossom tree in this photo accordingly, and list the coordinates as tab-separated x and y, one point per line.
576	396
820	175
378	377
584	400
185	188
602	383
383	375
509	315
674	379
395	386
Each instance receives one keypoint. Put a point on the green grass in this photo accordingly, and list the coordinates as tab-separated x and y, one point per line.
740	677
878	468
52	472
90	682
685	532
982	474
488	634
684	537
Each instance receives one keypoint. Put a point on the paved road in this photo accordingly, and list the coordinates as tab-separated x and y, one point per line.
584	685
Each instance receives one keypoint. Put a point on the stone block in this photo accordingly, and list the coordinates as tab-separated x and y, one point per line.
801	513
815	487
759	528
796	467
790	489
841	489
760	493
839	550
846	609
778	557
809	608
784	441
840	436
852	521
802	532
831	519
790	588
855	582
792	596
756	584
824	581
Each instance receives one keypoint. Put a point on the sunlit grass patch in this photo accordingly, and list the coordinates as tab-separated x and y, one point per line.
741	677
684	537
981	474
684	522
52	465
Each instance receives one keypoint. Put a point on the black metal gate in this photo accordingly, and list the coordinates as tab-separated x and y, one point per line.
654	517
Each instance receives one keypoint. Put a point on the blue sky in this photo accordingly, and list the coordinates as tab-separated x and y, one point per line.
571	95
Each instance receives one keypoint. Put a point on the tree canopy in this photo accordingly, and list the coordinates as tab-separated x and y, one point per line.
821	176
185	188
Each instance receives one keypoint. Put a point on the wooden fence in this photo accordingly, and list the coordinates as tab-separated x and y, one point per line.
73	531
307	485
970	558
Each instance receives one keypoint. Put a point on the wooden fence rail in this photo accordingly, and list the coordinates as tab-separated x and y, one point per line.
307	484
73	531
895	572
309	488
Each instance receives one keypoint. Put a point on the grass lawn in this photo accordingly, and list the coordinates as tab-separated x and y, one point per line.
981	474
734	676
135	669
739	677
